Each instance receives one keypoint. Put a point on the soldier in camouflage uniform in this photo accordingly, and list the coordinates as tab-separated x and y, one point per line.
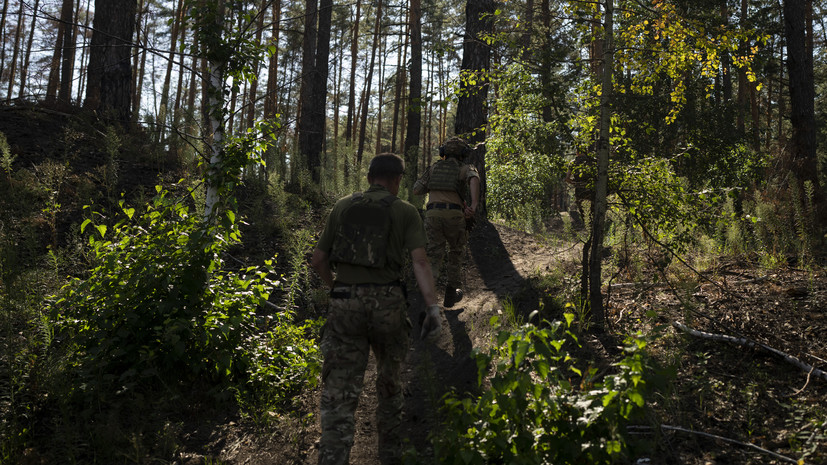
448	183
364	241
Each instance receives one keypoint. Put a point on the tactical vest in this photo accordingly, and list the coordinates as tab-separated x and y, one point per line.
445	176
363	232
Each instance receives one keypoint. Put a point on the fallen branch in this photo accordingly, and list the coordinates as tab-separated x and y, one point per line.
742	341
733	441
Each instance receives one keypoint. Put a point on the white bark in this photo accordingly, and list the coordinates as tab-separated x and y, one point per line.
742	341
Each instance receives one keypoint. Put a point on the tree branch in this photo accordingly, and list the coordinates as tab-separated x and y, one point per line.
742	341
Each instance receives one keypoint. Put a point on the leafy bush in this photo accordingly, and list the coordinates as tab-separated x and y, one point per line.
542	408
524	155
159	307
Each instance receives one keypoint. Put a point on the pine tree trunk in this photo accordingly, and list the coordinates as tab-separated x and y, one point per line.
53	83
252	98
3	37
15	51
803	159
414	101
397	93
139	63
271	99
84	55
24	73
67	65
354	57
173	49
380	92
109	89
368	83
472	114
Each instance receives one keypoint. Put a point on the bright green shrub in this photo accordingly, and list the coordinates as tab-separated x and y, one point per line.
541	408
160	307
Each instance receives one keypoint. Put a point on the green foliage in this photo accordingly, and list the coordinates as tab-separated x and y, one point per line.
6	157
542	408
662	203
524	155
159	306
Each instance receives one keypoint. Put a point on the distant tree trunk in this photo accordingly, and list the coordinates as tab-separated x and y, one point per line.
397	93
315	69
403	110
139	64
368	83
253	90
601	183
110	74
380	92
271	99
173	49
802	158
545	67
472	113
15	51
354	56
726	62
3	37
308	70
53	83
414	111
337	95
528	29
67	55
24	73
84	54
743	83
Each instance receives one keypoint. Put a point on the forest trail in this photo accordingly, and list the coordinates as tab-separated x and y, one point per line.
785	309
498	262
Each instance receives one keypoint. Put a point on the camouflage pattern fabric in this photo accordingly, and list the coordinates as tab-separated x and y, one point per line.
362	237
446	228
374	318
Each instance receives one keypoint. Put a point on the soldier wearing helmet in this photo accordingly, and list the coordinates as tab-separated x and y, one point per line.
453	189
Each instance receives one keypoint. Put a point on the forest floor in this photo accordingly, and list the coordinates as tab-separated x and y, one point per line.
748	395
744	394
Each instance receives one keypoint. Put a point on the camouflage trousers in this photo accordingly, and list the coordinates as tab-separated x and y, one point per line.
446	229
375	318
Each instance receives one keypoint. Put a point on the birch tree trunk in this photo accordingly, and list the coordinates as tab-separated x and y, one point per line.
215	118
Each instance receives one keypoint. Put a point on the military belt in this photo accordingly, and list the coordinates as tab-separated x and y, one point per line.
349	291
443	206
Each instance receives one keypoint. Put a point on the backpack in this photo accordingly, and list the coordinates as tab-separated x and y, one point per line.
445	176
362	235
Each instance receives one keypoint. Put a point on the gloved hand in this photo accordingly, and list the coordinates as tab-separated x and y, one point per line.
432	324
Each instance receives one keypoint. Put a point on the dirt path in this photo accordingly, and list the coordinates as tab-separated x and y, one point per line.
498	262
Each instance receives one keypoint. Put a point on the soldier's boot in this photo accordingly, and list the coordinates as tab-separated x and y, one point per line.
452	296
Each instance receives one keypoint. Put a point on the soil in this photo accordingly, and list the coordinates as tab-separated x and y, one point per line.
745	394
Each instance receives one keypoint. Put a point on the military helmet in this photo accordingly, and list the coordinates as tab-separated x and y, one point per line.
454	147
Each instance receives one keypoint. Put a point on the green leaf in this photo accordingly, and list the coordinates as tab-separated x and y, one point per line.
101	229
84	224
